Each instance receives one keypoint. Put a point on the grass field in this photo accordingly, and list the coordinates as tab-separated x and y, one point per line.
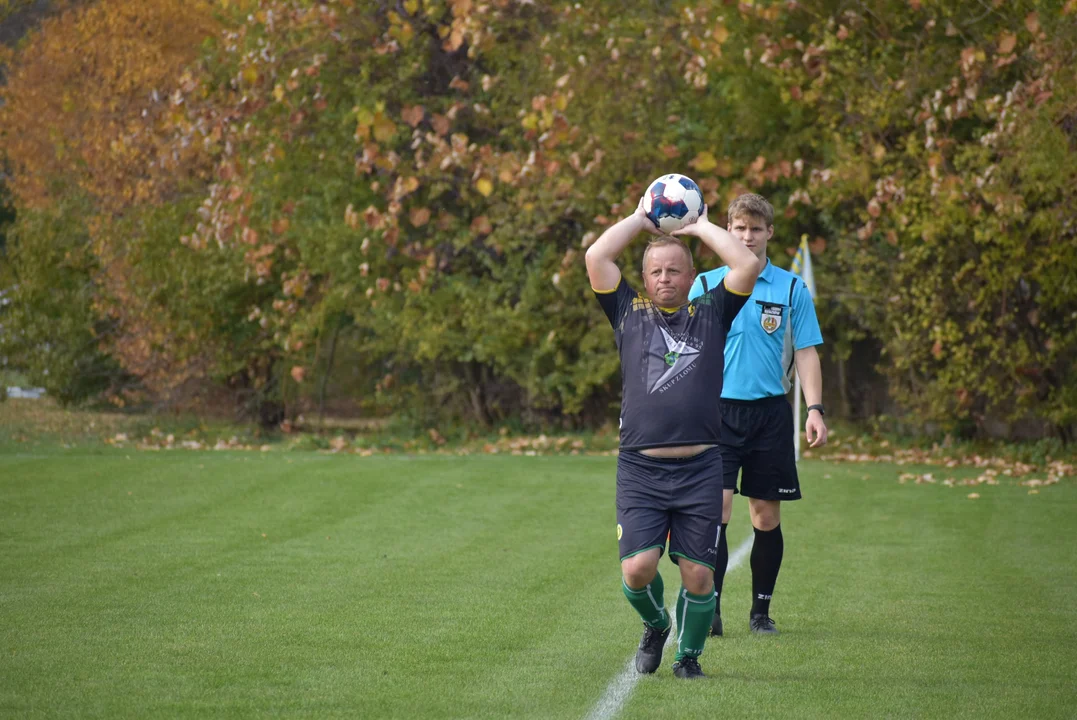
239	584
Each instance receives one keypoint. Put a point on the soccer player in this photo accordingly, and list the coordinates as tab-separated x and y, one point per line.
669	476
777	329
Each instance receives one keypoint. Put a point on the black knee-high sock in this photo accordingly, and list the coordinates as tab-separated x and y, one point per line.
766	560
719	569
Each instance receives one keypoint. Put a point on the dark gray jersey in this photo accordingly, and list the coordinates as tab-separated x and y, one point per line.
671	365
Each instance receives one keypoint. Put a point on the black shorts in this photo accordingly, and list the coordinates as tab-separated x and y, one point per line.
757	437
681	497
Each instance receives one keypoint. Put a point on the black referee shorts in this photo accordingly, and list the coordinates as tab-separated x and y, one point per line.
757	438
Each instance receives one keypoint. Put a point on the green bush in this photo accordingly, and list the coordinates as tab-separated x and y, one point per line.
401	193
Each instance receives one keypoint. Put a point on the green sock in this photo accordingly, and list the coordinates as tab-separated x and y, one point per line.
694	613
650	603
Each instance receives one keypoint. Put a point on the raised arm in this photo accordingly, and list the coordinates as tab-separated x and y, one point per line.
602	256
743	265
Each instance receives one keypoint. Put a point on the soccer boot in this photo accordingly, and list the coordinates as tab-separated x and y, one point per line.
649	655
688	669
716	626
761	624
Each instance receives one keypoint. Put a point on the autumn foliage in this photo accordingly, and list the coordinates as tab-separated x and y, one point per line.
389	201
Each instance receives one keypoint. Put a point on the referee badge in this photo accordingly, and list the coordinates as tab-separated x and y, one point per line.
771	319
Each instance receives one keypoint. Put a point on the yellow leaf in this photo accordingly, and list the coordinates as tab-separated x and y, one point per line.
720	34
484	186
384	128
704	162
278	92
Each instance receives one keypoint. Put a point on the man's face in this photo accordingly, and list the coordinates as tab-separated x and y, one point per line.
668	276
754	232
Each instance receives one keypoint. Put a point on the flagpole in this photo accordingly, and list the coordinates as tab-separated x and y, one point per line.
796	416
802	267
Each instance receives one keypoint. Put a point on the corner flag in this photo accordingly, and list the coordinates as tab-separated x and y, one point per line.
802	267
802	264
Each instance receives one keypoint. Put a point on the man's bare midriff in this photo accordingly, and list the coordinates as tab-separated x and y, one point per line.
678	451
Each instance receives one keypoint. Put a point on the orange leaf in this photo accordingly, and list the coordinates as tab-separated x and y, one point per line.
1032	22
1006	43
454	41
441	124
413	115
481	225
420	216
298	373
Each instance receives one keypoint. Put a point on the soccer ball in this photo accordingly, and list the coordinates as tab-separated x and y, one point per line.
673	201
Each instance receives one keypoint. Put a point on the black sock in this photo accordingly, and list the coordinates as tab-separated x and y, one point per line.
766	561
719	569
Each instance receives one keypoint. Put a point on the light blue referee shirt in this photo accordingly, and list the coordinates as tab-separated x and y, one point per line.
778	319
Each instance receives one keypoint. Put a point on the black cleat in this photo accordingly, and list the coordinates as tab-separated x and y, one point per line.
649	655
716	626
762	625
688	669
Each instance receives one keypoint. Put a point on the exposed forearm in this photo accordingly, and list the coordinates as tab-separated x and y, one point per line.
601	257
743	265
732	251
811	375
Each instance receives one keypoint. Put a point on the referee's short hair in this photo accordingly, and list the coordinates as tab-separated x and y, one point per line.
753	205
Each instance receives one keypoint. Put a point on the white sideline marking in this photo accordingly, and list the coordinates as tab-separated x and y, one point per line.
621	687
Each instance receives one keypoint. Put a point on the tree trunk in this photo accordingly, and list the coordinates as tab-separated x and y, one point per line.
328	371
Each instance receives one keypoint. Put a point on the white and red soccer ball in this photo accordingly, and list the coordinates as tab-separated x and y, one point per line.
673	201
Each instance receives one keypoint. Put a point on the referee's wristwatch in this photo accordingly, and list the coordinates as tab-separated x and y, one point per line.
820	408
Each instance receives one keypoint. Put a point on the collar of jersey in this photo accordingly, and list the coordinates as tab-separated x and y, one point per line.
768	272
669	311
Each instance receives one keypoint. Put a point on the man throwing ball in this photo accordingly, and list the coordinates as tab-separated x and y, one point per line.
669	472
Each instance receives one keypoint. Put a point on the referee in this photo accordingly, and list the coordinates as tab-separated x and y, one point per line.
776	329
